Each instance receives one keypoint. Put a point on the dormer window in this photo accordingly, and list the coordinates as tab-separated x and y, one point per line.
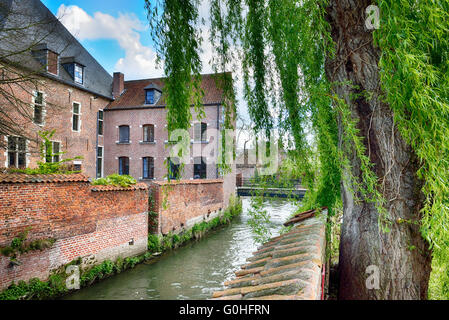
149	97
74	68
152	94
48	58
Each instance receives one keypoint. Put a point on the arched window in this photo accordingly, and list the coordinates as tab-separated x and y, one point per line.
148	133
148	168
124	134
123	165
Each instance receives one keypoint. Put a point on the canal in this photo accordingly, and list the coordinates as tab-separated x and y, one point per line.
195	270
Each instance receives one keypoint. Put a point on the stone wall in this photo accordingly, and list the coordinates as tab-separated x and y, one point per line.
91	222
185	203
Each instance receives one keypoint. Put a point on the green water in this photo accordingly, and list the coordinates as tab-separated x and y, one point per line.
194	271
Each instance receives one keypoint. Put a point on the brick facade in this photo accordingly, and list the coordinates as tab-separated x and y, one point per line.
58	104
136	149
87	221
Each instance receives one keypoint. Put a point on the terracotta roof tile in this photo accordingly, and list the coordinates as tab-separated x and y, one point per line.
288	267
41	178
139	186
134	94
196	181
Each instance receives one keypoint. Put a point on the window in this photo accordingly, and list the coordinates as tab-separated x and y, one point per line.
173	171
124	134
99	162
123	165
54	155
148	168
199	168
16	152
100	122
200	132
149	97
38	108
78	75
148	133
76	111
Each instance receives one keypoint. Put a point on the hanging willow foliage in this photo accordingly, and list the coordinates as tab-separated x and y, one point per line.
415	78
285	44
177	39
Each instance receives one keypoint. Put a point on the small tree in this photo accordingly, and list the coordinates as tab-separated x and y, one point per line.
47	165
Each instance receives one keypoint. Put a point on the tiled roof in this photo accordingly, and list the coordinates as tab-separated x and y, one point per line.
139	186
288	267
134	94
41	178
195	181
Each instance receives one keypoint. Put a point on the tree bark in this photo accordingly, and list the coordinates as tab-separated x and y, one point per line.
402	256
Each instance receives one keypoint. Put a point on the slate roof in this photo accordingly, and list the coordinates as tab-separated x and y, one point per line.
134	93
288	267
47	30
42	178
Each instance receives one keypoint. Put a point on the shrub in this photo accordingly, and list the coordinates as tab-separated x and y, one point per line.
115	180
154	244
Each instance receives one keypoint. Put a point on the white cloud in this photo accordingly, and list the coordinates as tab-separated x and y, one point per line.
139	61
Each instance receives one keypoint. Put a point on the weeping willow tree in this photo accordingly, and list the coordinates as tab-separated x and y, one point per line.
377	100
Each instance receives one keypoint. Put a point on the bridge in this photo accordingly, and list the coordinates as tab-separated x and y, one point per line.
270	188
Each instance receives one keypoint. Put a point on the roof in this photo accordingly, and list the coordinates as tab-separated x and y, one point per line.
288	267
41	178
134	93
43	30
153	86
138	186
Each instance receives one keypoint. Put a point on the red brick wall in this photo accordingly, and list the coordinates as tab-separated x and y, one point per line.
59	98
84	222
188	202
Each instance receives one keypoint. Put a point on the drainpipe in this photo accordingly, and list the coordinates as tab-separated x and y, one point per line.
218	139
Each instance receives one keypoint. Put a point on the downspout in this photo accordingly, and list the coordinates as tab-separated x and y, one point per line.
218	139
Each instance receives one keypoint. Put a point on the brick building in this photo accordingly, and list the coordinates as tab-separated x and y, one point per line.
136	135
117	126
65	89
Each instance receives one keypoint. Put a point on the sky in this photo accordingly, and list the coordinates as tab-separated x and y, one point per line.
116	34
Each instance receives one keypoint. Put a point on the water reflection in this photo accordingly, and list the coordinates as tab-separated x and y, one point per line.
194	271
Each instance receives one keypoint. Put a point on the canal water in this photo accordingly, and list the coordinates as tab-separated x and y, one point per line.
195	270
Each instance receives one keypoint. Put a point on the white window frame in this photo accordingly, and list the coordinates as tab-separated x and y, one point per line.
16	158
102	120
102	162
53	148
82	74
79	116
43	105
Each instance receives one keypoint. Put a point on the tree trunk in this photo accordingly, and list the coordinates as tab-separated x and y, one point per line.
401	256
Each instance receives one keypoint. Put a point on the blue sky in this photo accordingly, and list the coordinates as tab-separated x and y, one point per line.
106	48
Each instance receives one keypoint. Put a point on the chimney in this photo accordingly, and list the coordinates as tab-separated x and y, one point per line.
118	84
